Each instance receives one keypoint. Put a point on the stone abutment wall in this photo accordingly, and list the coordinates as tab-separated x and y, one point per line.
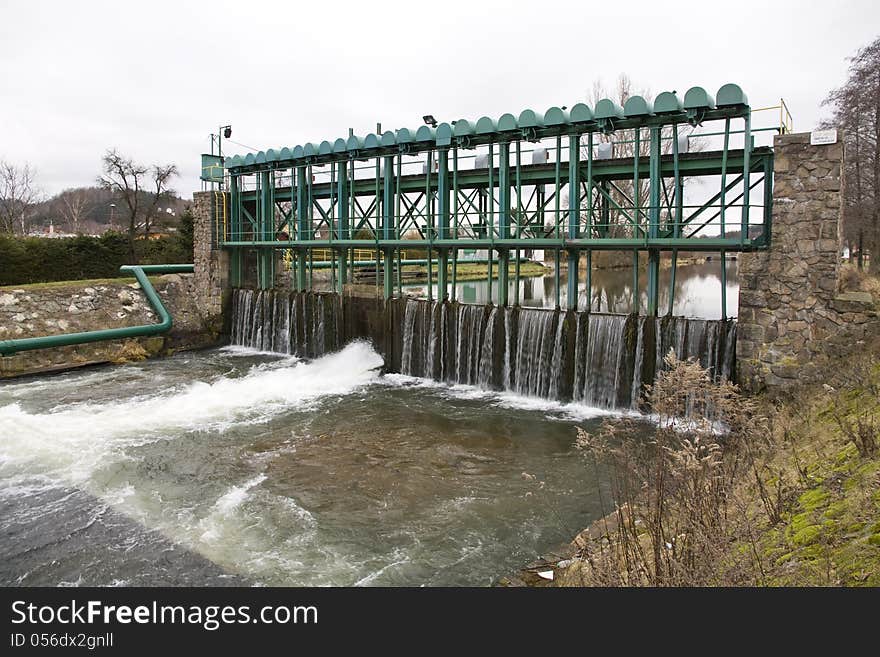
792	315
211	263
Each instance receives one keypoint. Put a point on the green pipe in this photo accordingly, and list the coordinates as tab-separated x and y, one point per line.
8	347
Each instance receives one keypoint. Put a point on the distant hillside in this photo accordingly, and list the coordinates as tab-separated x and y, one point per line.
94	211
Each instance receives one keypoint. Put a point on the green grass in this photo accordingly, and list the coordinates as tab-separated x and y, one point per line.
91	282
830	529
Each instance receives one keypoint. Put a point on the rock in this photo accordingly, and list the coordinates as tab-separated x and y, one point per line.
19	317
853	302
7	300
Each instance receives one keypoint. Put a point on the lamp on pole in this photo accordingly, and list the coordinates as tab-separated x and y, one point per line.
112	206
222	131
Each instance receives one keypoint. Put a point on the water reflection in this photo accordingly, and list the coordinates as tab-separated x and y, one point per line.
697	290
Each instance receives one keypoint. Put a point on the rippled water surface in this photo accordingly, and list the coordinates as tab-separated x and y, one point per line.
231	466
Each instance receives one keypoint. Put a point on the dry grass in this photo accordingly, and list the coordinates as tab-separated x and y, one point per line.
853	280
787	495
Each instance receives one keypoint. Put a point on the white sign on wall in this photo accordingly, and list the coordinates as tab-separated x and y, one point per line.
822	137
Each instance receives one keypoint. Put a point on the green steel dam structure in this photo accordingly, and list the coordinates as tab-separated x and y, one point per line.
567	182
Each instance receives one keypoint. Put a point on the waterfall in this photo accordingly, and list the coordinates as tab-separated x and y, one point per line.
487	351
470	327
506	380
301	323
556	361
603	358
606	363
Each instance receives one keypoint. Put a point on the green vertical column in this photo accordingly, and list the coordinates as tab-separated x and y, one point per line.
723	284
520	218
388	225
442	275
443	194
635	290
589	280
235	265
574	215
724	154
768	199
265	255
590	186
504	190
443	219
503	275
654	223
678	189
747	149
302	228
342	190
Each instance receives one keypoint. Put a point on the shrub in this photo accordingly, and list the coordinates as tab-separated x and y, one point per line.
41	260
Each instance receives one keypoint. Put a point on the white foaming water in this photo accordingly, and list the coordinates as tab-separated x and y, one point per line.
71	441
571	411
72	444
225	507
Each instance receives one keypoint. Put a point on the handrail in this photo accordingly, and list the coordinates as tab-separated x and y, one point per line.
8	347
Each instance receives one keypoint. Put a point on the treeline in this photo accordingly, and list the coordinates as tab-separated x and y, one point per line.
39	260
856	107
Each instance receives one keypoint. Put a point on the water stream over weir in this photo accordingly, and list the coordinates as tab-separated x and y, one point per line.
302	324
596	359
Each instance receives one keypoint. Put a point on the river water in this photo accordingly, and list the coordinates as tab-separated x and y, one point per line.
233	466
697	290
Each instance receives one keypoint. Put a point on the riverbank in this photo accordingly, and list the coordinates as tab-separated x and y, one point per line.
805	511
73	306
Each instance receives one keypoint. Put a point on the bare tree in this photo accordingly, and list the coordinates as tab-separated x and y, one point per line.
141	189
162	175
621	211
18	194
74	205
856	110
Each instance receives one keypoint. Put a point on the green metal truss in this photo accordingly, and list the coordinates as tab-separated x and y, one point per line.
573	203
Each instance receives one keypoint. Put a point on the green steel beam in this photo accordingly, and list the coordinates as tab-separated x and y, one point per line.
599	244
690	164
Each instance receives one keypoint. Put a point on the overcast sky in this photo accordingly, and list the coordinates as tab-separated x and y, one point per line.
154	79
